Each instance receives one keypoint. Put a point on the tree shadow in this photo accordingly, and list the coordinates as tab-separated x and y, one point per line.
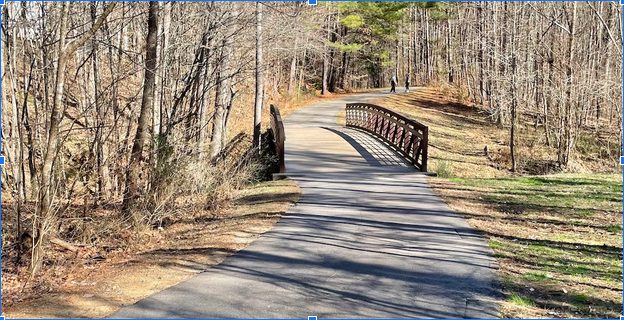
587	267
266	198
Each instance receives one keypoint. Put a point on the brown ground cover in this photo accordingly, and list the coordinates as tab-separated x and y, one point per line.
94	286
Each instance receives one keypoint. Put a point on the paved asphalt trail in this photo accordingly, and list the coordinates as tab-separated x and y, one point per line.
368	239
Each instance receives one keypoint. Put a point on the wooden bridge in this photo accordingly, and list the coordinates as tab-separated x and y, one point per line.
394	132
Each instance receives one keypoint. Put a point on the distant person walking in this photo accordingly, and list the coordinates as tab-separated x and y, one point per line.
407	83
393	83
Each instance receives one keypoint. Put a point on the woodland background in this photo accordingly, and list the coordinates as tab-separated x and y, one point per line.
115	112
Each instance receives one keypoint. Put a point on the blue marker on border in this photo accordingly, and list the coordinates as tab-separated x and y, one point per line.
313	3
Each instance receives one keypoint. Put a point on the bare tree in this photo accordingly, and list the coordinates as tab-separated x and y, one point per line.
51	150
259	82
133	177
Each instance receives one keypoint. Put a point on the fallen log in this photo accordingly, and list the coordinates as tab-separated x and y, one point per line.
64	244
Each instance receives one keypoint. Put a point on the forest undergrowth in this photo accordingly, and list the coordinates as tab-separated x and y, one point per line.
205	213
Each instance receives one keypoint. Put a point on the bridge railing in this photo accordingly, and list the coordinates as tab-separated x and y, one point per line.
407	136
277	126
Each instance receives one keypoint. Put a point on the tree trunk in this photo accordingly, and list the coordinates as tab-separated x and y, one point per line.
259	85
568	140
449	54
325	76
221	100
426	59
219	114
133	176
293	70
161	62
45	200
333	74
480	53
15	146
203	113
514	89
103	182
325	73
343	71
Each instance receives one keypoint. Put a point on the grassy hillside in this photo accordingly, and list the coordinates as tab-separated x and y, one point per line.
557	237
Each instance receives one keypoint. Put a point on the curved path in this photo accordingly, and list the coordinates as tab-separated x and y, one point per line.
368	239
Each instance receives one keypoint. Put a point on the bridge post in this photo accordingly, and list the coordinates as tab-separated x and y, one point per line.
279	136
425	149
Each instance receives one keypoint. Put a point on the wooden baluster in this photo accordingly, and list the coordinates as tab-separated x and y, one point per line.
417	154
394	134
402	139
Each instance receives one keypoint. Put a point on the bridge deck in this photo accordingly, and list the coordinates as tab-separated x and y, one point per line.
340	150
368	239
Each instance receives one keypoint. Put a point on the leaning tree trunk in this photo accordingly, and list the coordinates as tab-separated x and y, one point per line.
52	147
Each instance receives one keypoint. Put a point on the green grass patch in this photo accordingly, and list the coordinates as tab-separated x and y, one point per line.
520	300
583	213
535	276
533	181
443	168
494	244
575	270
566	229
615	228
580	298
543	250
574	194
565	238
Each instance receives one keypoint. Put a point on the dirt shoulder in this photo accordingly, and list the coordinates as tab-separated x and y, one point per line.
95	289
